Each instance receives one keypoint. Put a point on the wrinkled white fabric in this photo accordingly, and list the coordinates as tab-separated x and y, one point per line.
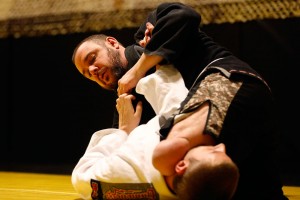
115	157
164	90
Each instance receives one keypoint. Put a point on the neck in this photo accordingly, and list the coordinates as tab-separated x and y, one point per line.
169	182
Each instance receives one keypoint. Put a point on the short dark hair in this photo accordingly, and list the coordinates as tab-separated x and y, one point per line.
204	180
97	38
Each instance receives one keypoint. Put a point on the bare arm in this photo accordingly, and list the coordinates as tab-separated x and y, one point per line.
138	71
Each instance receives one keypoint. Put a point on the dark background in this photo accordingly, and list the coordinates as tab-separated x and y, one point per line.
49	111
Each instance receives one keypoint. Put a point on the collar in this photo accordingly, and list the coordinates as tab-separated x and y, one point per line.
132	54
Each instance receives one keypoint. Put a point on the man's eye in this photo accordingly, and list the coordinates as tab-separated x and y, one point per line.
92	59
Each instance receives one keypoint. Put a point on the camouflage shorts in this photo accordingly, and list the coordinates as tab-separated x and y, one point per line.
219	91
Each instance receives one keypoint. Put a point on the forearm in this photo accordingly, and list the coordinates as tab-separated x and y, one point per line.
145	63
138	71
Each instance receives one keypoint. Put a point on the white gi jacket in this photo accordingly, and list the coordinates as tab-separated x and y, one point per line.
112	156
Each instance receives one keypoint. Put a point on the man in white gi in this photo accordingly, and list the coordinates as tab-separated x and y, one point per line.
117	164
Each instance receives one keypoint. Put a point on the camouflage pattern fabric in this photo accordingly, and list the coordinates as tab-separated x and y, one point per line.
219	92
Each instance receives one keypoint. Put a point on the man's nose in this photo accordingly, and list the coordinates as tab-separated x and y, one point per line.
93	70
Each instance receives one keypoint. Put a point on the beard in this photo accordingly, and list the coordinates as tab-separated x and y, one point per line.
117	69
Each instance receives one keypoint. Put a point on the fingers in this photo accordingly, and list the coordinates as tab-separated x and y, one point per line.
149	29
129	117
142	43
126	96
123	88
124	99
139	109
119	91
148	34
122	91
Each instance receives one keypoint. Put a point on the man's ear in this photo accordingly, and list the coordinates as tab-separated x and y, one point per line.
112	42
181	167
